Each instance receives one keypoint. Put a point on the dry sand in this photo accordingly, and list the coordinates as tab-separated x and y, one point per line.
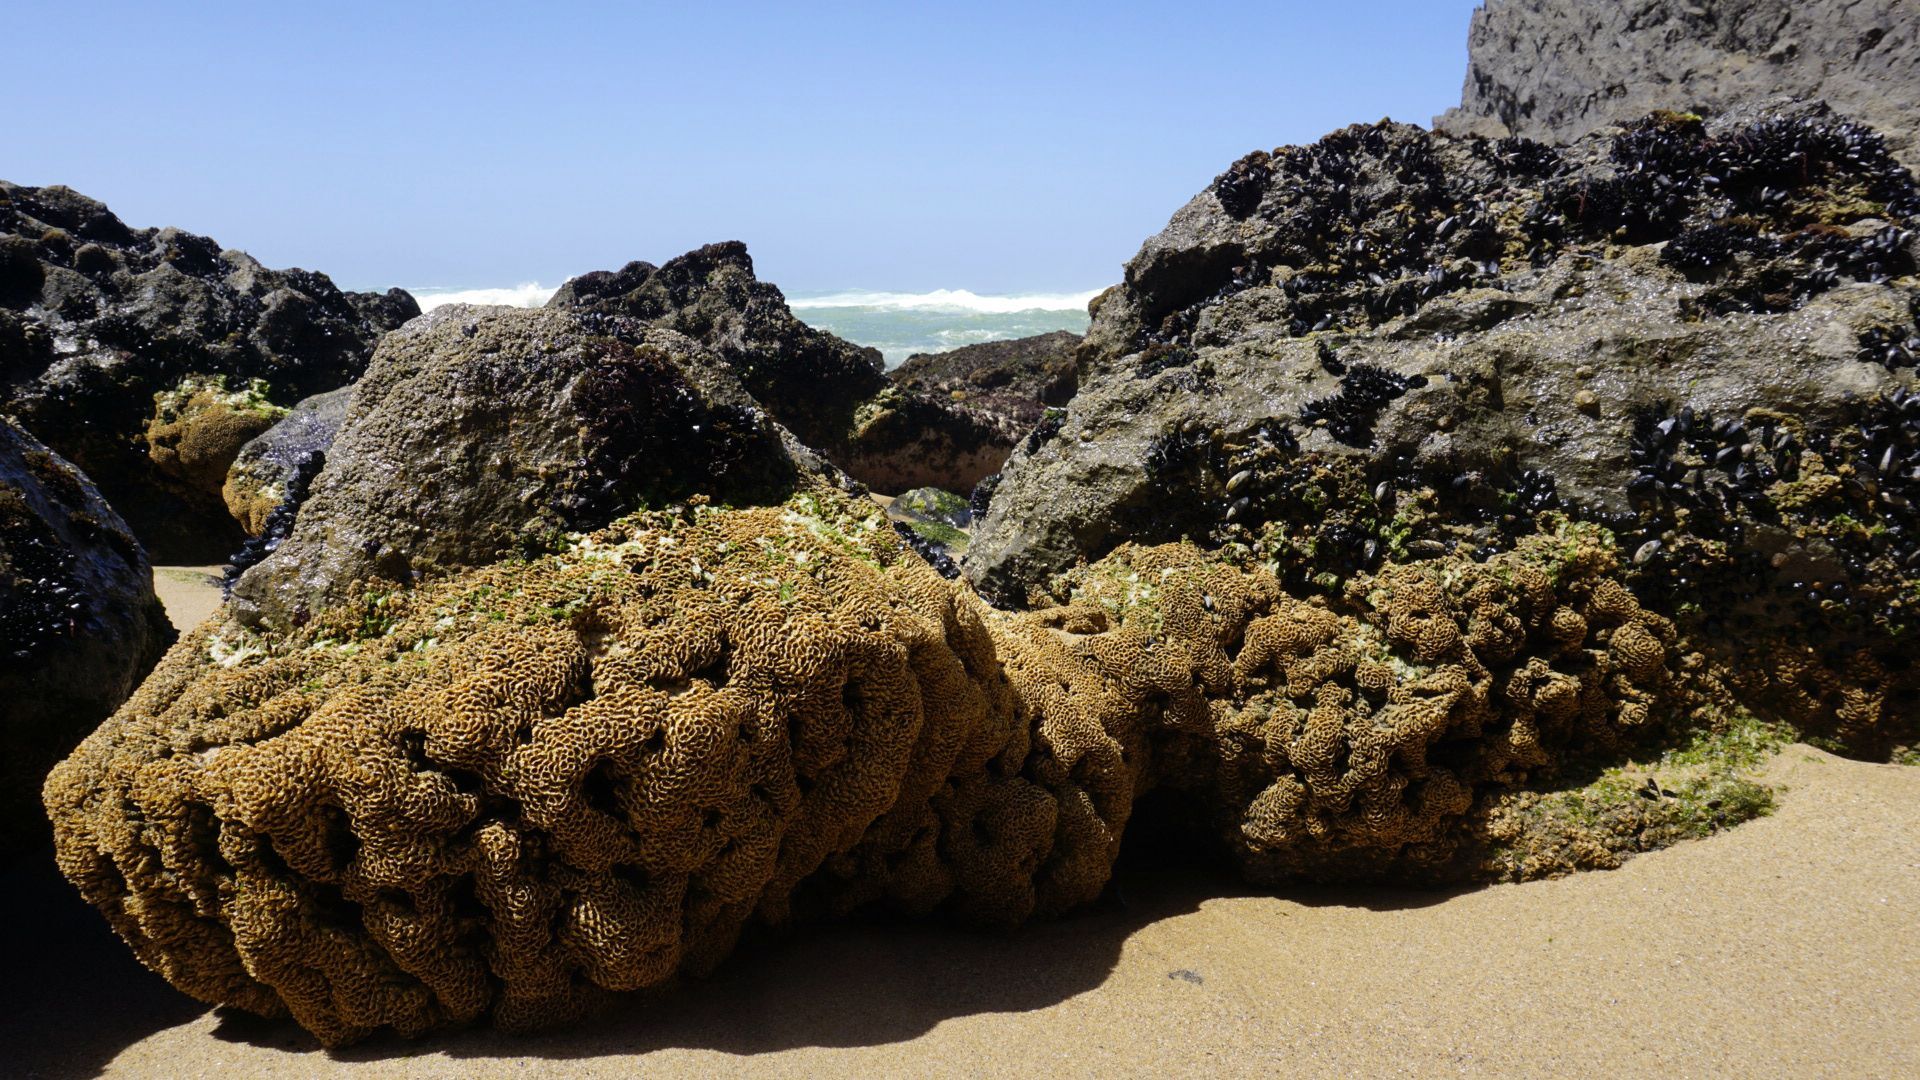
189	593
1786	947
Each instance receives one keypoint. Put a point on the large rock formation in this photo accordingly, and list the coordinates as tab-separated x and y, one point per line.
1701	335
1557	69
149	356
1010	383
79	623
508	793
831	393
482	432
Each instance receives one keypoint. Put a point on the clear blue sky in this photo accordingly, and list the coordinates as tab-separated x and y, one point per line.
995	147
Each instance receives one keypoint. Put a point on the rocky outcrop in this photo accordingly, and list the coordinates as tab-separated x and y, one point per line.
1557	69
831	393
934	523
482	432
79	623
510	793
1390	344
266	466
1010	383
108	333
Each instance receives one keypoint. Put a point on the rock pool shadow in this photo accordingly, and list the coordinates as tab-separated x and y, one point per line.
862	983
877	981
71	994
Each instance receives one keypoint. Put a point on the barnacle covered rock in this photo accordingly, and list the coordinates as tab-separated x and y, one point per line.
1009	383
1699	333
832	393
264	468
507	792
1364	735
97	318
1556	69
481	432
198	429
79	623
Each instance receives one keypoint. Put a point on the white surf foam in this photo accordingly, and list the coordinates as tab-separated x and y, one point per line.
952	300
529	294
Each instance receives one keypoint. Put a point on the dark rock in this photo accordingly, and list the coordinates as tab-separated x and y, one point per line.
1415	344
935	524
97	320
79	622
257	481
479	433
829	392
1009	383
1557	69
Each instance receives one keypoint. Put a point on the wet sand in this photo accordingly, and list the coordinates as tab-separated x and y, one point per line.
1786	947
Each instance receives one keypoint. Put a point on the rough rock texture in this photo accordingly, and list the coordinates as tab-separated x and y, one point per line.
98	320
1558	69
1392	344
481	432
79	623
506	793
258	480
1010	383
934	523
831	393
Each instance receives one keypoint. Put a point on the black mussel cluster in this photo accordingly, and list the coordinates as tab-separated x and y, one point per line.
1367	228
1240	188
1159	358
1368	225
934	554
1714	469
1050	423
1697	252
42	603
982	495
1884	450
1349	413
279	523
1896	347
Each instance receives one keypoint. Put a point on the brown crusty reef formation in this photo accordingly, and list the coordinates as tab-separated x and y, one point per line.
508	792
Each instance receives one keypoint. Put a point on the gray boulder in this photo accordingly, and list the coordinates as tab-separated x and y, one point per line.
79	622
1399	345
1008	383
262	472
1557	69
149	356
480	432
832	393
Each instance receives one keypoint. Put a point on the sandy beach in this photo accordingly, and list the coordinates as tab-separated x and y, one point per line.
1782	948
189	593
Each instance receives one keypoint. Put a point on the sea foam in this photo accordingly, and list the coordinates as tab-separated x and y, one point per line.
946	300
529	294
899	324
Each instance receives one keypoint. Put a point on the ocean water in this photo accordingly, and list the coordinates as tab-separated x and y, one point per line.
901	324
898	324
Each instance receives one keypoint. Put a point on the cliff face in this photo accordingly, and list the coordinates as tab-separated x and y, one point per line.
1557	69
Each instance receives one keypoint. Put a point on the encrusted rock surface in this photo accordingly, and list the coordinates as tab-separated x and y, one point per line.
1010	383
1393	344
98	320
1557	69
480	432
79	623
267	464
829	392
506	793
